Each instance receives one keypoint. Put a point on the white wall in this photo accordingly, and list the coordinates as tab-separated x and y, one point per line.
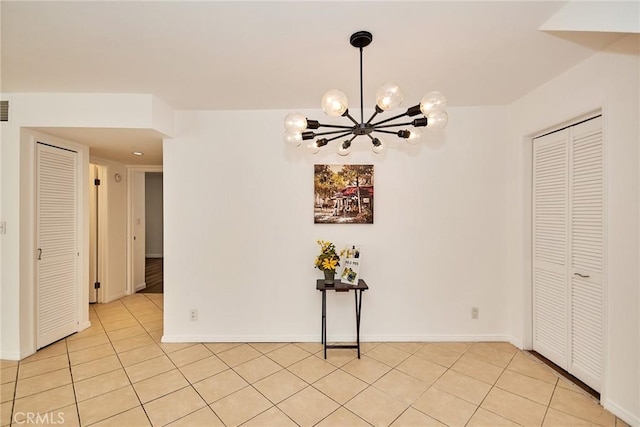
608	80
153	214
240	238
9	212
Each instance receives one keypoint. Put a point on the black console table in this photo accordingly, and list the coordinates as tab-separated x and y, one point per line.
341	287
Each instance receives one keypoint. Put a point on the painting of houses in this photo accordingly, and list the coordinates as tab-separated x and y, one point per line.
343	194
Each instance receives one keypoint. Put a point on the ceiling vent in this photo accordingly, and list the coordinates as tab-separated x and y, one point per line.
4	111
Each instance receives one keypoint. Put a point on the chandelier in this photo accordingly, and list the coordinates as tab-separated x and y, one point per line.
298	128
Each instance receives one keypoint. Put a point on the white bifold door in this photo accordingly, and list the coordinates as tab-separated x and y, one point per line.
57	244
568	249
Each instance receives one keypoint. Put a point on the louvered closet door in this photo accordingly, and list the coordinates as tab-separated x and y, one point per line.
586	272
57	278
568	248
550	246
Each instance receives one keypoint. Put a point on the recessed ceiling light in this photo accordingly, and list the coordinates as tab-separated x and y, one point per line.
137	153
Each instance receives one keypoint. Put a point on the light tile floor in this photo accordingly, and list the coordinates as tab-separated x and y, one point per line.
118	373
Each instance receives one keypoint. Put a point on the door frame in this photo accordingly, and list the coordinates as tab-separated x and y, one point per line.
28	262
131	170
102	232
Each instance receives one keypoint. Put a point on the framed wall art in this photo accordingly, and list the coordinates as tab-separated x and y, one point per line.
343	194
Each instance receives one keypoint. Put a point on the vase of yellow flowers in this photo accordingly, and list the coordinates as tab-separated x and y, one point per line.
327	261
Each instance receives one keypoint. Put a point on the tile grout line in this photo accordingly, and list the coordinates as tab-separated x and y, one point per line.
207	404
489	392
15	390
546	411
165	354
251	384
450	369
343	405
127	375
73	384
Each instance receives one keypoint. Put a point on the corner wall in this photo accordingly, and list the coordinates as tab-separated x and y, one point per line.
609	80
48	110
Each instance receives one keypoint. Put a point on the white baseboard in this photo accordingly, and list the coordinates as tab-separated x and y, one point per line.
12	355
154	256
114	297
334	338
623	414
140	286
84	325
516	343
239	338
433	338
17	355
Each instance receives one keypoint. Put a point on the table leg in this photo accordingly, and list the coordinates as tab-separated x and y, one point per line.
324	322
358	311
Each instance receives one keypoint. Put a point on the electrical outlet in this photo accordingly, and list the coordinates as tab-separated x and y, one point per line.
475	312
193	314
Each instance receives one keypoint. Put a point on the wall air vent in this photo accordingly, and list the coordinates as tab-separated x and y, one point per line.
4	111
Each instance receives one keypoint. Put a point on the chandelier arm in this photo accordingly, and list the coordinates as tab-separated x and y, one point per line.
376	127
335	126
347	115
389	119
332	132
375	113
339	136
390	132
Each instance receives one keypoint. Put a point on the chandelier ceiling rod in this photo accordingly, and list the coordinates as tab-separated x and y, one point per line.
389	96
361	39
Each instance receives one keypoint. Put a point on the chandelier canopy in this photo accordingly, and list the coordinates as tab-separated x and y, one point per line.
431	109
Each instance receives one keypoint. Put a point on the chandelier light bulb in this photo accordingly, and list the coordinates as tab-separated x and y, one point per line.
437	121
414	136
378	146
433	103
334	103
293	138
389	96
345	148
313	147
295	122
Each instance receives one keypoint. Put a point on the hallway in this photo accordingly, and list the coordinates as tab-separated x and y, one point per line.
153	276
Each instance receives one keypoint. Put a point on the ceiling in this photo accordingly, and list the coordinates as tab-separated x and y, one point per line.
115	144
283	55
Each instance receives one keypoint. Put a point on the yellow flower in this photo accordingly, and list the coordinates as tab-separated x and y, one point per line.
328	258
329	264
